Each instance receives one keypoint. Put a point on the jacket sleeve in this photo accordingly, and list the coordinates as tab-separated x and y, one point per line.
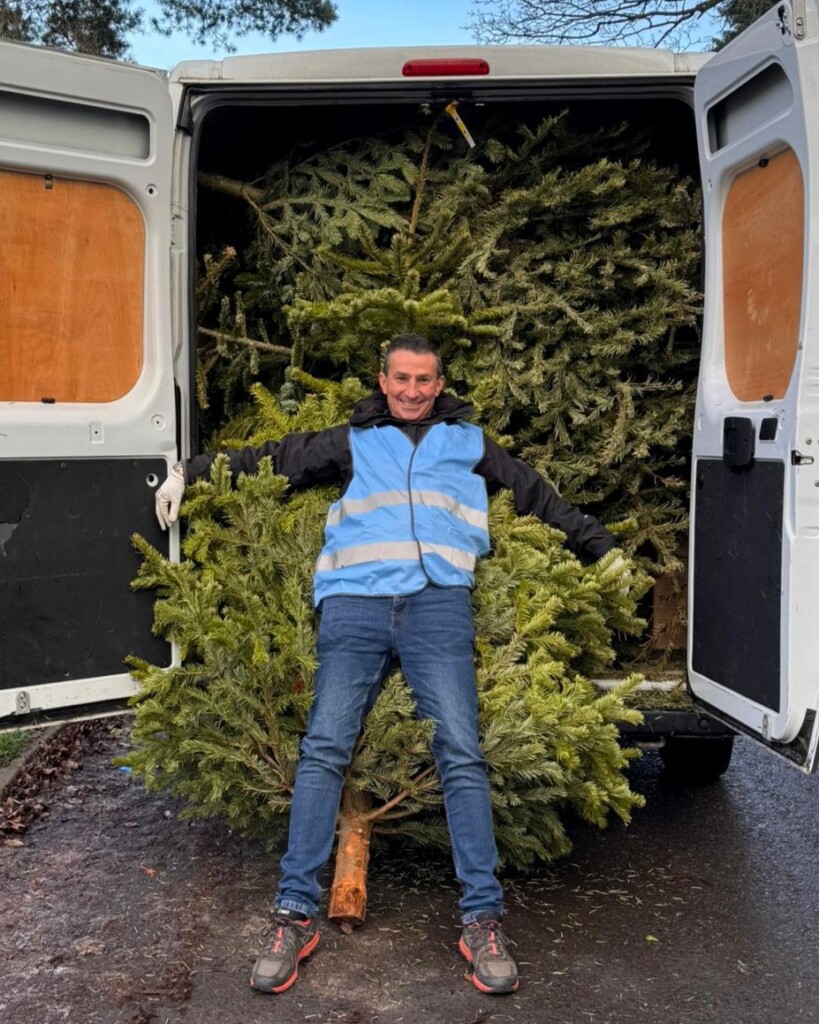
308	459
585	536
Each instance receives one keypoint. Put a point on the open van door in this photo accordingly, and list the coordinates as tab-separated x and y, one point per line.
754	589
88	414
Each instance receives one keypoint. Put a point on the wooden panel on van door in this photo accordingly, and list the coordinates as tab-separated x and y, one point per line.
763	265
71	290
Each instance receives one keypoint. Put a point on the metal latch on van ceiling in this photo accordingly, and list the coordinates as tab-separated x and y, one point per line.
792	19
799	19
798	459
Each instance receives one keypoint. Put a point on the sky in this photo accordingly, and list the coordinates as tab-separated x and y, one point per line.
359	23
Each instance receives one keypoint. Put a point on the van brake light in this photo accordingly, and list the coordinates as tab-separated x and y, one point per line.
445	67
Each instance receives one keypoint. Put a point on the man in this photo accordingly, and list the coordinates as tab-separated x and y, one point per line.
393	580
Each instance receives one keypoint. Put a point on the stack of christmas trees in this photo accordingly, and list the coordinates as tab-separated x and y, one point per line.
556	270
557	277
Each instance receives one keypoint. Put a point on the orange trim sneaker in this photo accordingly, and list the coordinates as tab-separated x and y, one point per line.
494	970
291	938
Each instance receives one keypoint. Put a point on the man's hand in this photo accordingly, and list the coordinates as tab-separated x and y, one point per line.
622	568
169	498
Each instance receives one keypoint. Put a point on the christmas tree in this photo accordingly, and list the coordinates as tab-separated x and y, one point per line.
222	729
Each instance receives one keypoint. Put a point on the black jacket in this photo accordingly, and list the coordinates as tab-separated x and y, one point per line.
324	457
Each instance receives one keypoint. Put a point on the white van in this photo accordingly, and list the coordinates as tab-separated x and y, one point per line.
98	232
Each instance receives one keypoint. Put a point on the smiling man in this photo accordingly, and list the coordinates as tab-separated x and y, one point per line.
393	581
411	381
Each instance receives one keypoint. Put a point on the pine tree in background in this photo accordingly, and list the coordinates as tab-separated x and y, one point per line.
222	729
556	275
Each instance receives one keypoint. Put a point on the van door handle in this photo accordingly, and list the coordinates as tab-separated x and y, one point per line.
738	437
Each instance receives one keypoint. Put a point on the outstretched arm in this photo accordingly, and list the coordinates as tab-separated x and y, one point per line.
585	536
307	460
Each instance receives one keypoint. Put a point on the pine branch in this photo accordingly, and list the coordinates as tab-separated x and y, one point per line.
262	346
381	812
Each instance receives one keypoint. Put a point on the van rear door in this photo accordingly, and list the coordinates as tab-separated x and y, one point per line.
754	586
88	421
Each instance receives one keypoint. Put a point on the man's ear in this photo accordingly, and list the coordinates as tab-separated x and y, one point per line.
382	381
439	386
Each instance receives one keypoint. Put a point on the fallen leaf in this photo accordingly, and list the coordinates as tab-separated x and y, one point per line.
89	947
150	872
652	938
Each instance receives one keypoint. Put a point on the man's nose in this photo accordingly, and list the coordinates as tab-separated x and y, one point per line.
412	389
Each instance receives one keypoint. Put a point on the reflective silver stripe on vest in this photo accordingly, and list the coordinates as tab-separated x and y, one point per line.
455	556
398	551
435	499
356	506
432	499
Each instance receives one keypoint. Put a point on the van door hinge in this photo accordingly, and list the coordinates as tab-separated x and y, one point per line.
798	459
22	703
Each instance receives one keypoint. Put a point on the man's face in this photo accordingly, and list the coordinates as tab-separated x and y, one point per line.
411	384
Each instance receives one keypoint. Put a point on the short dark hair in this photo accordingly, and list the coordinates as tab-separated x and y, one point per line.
413	343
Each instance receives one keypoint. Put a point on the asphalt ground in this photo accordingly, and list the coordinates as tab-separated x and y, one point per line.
114	911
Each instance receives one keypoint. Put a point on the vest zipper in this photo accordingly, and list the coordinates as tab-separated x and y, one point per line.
412	508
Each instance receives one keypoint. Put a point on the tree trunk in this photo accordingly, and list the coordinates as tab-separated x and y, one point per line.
348	895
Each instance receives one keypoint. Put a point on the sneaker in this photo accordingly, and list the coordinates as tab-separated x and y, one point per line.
484	946
292	938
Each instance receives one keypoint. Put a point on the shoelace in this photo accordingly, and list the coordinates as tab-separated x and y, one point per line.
284	935
487	937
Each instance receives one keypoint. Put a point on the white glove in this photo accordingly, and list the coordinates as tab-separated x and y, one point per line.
169	497
621	567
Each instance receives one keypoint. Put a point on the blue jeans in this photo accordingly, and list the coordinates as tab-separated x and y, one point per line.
432	636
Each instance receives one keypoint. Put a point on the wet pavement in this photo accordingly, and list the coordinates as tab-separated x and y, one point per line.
705	910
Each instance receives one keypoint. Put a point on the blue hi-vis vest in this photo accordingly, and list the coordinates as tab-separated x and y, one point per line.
411	515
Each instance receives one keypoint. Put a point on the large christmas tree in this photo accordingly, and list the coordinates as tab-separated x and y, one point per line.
223	728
